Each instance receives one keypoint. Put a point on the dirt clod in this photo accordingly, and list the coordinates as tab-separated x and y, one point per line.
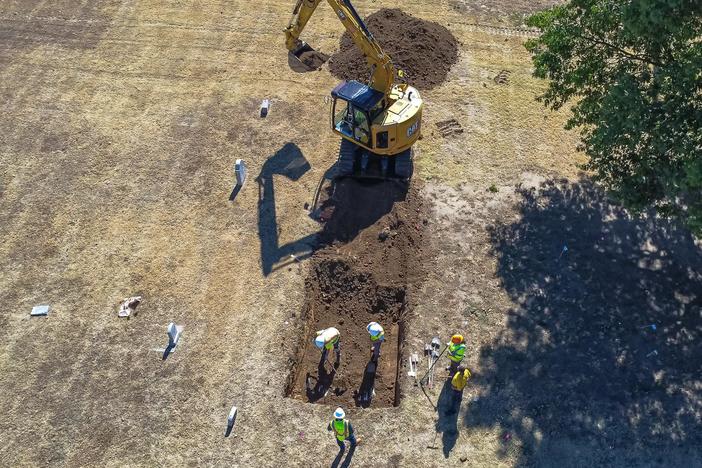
313	59
423	50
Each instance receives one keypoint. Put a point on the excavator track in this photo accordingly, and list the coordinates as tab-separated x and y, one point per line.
354	161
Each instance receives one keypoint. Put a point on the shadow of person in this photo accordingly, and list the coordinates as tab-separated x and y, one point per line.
365	392
349	457
448	408
323	383
338	458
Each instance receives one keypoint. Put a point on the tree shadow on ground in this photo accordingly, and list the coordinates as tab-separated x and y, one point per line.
578	365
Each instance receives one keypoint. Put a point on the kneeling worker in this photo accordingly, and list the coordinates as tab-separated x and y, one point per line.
456	352
458	382
342	429
327	339
460	379
377	336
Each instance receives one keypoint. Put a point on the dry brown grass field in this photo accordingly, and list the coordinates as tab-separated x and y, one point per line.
120	122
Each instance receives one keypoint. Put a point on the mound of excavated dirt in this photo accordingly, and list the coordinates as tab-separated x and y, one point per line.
368	271
424	50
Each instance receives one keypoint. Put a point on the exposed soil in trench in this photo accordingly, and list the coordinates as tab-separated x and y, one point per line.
423	50
368	270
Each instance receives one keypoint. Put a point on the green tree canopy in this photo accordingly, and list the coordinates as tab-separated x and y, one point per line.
632	70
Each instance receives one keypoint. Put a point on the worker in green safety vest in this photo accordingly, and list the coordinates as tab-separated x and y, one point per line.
377	336
342	430
326	340
456	352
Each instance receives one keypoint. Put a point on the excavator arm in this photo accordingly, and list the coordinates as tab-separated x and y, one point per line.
382	75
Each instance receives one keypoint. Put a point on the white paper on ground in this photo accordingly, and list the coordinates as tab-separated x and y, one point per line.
40	310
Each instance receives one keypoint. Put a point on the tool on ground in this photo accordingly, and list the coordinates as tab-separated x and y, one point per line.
434	356
413	363
327	361
378	123
423	379
428	354
433	445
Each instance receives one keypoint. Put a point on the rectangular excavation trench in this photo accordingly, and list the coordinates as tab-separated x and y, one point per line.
338	294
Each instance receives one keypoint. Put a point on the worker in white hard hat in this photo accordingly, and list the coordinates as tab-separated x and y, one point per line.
326	340
377	336
342	430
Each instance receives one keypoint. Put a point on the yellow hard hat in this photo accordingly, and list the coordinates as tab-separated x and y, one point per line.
457	339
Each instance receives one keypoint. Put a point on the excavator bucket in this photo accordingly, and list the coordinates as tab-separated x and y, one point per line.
305	58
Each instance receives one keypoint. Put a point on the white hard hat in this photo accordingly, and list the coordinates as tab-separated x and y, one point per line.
319	341
339	413
374	328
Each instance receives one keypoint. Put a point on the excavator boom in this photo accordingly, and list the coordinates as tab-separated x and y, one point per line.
382	69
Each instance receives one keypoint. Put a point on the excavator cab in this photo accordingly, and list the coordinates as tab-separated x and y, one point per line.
358	114
354	107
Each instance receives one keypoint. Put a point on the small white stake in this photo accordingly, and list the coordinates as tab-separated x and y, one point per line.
174	332
232	416
265	105
240	172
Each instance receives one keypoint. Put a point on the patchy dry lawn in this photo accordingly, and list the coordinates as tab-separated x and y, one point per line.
120	125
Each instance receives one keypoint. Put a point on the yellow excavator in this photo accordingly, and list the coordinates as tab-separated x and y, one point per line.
378	122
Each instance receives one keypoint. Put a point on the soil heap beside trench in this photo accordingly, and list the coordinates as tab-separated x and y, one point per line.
423	50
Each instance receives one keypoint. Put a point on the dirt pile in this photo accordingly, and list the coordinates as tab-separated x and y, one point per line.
424	50
368	271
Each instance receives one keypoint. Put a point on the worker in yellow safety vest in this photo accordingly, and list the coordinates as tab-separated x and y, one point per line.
377	336
456	352
460	379
458	383
326	340
342	430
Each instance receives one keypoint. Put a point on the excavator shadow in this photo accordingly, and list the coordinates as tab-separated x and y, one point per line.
351	205
291	163
346	206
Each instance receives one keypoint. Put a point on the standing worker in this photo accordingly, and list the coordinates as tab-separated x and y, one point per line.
327	339
377	336
342	430
456	351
